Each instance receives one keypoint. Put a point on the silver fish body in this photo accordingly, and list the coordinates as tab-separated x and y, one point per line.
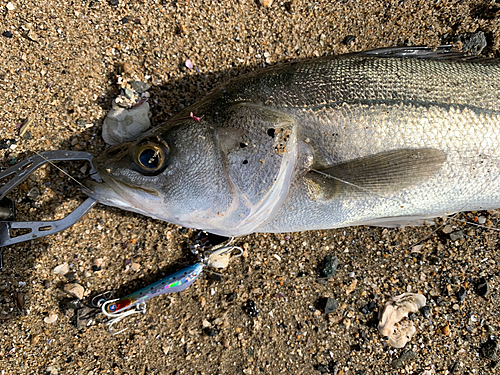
350	140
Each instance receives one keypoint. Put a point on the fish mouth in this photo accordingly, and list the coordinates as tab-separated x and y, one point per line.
107	193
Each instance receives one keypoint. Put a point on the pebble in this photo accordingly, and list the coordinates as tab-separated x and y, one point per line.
456	235
331	264
481	220
473	42
446	330
426	312
135	267
140	87
404	357
368	309
482	287
447	229
51	318
331	305
7	34
266	3
489	349
461	294
62	269
251	309
75	290
10	6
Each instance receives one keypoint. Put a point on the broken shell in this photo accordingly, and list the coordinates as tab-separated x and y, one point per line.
51	318
219	260
122	125
395	310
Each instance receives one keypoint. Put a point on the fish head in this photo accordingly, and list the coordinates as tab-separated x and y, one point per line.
212	175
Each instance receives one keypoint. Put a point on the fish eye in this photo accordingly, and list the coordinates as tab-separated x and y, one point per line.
151	156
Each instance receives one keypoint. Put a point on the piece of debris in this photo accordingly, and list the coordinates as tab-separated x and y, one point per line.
391	316
125	124
75	290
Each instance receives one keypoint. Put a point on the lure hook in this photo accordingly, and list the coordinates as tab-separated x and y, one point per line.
116	317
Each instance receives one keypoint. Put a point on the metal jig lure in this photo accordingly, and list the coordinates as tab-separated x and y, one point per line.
135	303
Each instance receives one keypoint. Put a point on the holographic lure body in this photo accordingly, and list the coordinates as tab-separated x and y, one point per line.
173	283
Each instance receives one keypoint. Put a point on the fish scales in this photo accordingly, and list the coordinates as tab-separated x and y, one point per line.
320	144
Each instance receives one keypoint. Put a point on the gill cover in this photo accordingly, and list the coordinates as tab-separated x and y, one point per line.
259	152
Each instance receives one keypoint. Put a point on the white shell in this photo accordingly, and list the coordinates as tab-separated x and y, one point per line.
122	125
395	310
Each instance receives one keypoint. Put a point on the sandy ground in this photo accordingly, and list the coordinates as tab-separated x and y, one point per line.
59	66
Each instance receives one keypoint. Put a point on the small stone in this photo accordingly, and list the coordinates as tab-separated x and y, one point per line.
140	87
446	330
51	370
7	34
489	349
114	2
62	269
482	287
404	357
129	93
75	290
473	42
481	220
51	318
135	267
189	64
426	312
461	294
457	235
266	3
331	264
368	309
447	229
81	123
331	305
251	308
10	6
226	343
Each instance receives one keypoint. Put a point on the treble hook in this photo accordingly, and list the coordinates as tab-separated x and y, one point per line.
140	308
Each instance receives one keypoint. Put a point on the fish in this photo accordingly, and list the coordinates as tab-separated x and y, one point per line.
386	137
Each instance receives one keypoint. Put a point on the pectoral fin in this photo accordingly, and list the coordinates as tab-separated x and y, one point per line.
380	174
